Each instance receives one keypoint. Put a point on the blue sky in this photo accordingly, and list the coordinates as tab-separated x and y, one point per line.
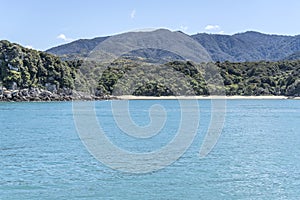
44	24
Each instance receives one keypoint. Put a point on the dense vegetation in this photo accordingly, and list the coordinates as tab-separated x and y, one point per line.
261	78
243	78
26	68
175	78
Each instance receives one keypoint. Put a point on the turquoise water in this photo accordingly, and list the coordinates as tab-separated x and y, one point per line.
256	157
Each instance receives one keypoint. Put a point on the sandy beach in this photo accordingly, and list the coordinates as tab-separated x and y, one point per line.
131	97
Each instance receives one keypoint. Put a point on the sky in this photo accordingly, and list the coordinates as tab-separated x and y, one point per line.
48	23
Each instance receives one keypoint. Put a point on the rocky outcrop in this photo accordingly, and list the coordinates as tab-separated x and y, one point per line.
36	94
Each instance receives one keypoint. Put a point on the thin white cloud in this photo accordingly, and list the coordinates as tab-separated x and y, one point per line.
184	28
132	14
64	38
212	27
144	30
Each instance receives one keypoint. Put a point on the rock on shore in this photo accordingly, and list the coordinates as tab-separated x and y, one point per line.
36	94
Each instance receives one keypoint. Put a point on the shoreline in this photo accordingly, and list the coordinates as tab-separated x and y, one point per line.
42	95
87	97
131	97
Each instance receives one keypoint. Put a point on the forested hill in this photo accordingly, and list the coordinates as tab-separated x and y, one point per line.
240	78
241	47
78	48
249	46
27	68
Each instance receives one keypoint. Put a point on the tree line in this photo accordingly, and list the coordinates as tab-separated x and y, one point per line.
26	68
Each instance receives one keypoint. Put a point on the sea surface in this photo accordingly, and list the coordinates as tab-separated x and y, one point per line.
256	157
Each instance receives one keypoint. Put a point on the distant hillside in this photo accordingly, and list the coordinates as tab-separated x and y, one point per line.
294	56
78	48
248	46
157	46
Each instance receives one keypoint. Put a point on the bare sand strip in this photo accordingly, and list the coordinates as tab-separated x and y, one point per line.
131	97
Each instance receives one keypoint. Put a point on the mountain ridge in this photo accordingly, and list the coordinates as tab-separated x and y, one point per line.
239	47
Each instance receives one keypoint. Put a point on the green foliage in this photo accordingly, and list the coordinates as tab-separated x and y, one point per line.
243	78
129	77
27	68
30	68
261	78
